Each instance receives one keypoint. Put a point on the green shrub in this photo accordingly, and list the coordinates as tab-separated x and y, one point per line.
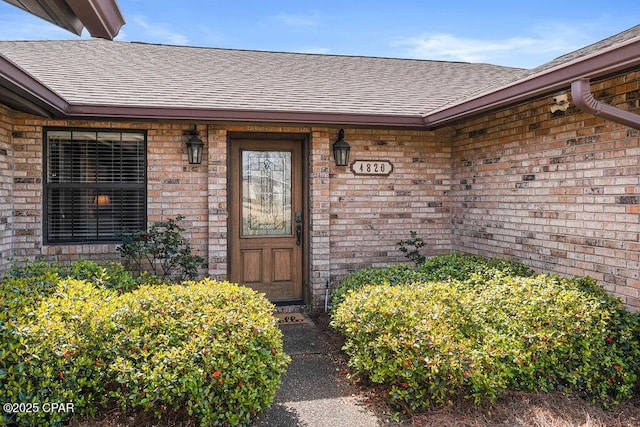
211	349
110	275
419	341
450	267
22	289
463	267
397	274
49	354
162	250
431	341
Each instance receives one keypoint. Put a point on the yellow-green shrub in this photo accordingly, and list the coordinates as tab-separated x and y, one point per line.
417	340
431	341
211	349
49	354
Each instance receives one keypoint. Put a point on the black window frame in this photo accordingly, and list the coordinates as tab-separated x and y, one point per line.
46	186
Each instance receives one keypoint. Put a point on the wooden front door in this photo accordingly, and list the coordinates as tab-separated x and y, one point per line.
266	233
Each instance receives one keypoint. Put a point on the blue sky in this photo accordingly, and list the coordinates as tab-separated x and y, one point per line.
513	33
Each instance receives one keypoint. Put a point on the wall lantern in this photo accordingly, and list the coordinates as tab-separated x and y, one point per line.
341	150
194	147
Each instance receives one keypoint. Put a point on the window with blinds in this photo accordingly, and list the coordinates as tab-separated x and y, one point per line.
95	184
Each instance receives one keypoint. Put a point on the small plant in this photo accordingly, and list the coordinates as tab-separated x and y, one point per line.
411	248
162	250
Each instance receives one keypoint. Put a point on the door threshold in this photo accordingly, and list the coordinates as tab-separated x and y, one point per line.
296	302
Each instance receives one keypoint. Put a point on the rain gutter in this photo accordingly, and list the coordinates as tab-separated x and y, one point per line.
101	18
84	111
18	87
620	57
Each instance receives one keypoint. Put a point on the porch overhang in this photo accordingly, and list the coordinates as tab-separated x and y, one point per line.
101	18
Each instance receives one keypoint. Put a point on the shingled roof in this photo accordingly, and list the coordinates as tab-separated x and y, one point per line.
97	72
130	80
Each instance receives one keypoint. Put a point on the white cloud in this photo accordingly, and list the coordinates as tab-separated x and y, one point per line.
540	46
154	32
298	21
318	50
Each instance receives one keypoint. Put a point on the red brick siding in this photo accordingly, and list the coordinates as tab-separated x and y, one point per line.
560	192
27	187
354	221
319	225
216	146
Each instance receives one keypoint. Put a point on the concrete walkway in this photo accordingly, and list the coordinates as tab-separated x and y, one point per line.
313	392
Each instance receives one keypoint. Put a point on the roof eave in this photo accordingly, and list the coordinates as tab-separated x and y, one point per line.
57	12
101	18
17	87
616	59
84	111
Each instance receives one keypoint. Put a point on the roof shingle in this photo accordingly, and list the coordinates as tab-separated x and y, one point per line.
97	72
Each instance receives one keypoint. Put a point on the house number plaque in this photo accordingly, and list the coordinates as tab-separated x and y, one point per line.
371	167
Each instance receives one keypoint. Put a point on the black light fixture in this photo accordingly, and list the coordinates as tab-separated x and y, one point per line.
341	150
194	147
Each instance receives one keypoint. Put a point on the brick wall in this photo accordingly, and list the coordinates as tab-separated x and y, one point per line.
6	188
27	187
370	214
559	191
355	221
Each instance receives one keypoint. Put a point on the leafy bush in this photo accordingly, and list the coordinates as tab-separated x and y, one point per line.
211	349
398	274
111	275
48	354
418	341
161	250
450	267
463	267
475	337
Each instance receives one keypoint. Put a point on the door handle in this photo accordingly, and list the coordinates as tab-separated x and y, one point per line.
298	228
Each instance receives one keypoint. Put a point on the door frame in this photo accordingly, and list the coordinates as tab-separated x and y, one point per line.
303	139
